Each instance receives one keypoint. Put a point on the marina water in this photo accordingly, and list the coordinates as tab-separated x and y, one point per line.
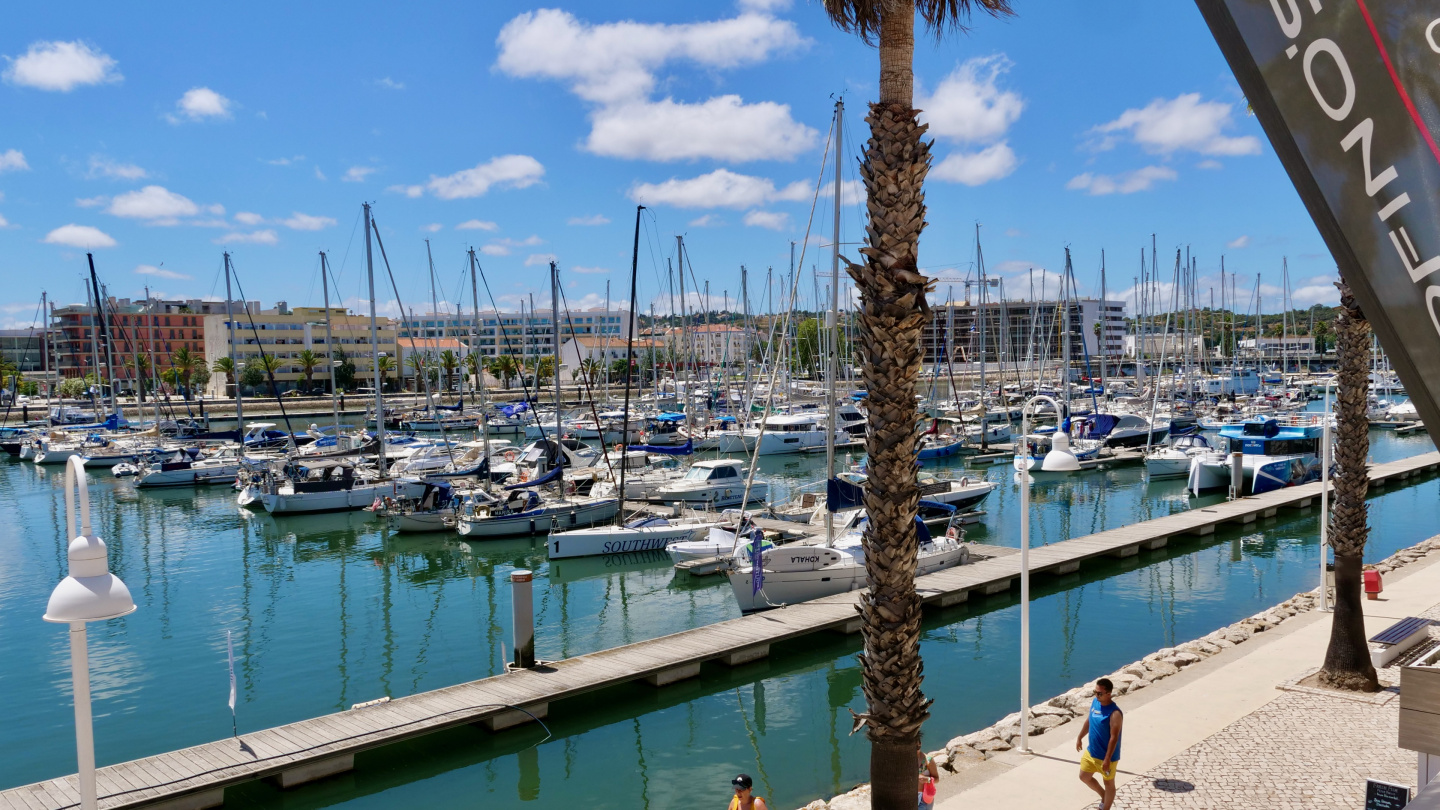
331	610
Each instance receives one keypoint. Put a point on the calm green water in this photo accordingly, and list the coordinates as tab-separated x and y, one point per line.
331	610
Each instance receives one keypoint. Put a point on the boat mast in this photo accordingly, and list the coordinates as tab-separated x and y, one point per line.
980	320
375	344
1104	320
555	315
150	311
834	367
480	368
684	344
629	349
234	367
330	344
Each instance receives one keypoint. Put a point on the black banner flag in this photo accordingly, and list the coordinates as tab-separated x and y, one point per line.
1348	92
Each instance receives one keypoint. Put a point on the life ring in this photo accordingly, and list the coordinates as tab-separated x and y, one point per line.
524	476
952	533
509	455
620	449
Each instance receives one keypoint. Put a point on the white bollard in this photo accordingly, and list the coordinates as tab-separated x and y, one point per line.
1237	475
523	601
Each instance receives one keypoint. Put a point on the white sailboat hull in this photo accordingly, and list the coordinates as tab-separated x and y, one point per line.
357	497
555	515
791	587
711	496
620	540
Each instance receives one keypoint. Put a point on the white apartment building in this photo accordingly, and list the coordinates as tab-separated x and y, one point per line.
284	333
1279	347
1170	345
1015	331
712	345
529	335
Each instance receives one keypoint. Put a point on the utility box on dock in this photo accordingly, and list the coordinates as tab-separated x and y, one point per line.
1420	713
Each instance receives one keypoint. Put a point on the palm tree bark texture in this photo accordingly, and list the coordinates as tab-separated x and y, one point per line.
1347	658
892	314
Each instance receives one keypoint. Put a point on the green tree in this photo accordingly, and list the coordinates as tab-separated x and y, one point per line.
1347	658
544	368
308	361
184	362
620	369
72	388
226	366
344	369
386	366
140	365
252	375
449	363
893	311
506	367
200	377
418	363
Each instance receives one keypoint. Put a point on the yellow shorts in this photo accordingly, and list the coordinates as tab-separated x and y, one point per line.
1089	764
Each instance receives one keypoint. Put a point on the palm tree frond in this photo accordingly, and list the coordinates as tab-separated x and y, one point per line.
862	17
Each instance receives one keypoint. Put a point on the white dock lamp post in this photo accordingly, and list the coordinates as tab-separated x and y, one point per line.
89	594
1023	455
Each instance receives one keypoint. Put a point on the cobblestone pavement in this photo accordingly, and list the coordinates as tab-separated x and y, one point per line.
1301	750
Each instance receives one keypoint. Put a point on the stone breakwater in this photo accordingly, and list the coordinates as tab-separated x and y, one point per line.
979	746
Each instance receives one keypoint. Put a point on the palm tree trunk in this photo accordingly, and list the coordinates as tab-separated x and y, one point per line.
1347	659
892	314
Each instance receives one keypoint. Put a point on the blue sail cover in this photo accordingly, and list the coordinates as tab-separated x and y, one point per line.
454	407
1101	425
843	495
668	417
519	407
683	450
544	479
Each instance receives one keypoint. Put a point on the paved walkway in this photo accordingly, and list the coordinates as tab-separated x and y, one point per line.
1223	734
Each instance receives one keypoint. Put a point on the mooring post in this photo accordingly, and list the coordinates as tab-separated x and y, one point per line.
522	598
1237	475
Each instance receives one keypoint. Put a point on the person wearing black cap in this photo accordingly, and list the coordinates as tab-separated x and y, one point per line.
744	798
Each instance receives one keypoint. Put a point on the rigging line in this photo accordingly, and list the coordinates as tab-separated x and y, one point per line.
267	365
585	378
775	368
524	389
348	245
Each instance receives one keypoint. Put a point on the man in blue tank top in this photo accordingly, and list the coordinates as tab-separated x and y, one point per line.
1100	736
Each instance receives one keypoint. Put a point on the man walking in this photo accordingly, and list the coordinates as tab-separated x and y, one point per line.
1102	749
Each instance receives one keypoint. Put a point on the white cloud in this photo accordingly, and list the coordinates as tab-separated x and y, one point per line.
433	227
248	218
389	84
79	236
722	128
91	202
977	168
200	103
1126	183
1239	242
285	161
589	270
707	221
61	66
968	107
1209	164
1013	232
721	188
477	225
1165	126
614	65
539	258
495	250
505	171
158	205
101	166
775	221
4	223
319	175
13	160
764	6
305	222
1318	290
594	219
409	191
160	272
265	237
357	174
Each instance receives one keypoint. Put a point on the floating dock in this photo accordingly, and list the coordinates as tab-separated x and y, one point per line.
194	778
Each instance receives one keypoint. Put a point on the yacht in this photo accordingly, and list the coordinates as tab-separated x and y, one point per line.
1124	429
642	534
792	433
184	469
333	485
711	484
1173	460
1275	453
798	573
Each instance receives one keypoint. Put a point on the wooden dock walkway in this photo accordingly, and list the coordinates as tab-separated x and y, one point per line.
196	777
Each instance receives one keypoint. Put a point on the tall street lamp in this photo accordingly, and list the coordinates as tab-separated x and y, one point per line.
1022	452
89	594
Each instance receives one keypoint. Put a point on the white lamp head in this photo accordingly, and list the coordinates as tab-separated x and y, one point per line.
90	593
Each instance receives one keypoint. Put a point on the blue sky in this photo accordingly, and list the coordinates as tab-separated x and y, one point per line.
529	131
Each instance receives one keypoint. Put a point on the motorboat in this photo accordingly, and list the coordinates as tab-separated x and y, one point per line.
333	485
649	533
721	542
798	572
188	468
712	484
1275	453
1173	460
792	433
1123	429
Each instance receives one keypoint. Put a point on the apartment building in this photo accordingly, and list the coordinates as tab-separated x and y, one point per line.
1018	331
713	345
523	335
144	328
284	332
